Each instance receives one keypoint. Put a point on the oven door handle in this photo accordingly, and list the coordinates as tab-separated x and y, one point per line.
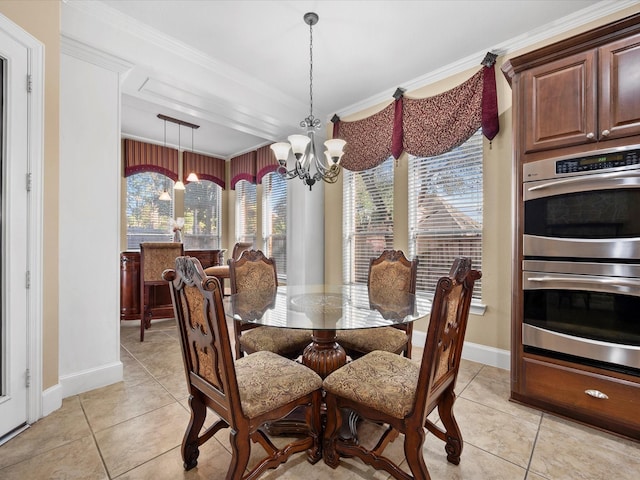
633	177
628	286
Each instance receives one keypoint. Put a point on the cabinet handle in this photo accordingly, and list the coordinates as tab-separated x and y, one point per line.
597	394
590	136
605	133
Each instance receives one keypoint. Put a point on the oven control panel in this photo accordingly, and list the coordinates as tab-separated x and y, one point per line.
598	162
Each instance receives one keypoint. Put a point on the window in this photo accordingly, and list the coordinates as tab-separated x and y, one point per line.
202	214
246	212
274	220
148	218
445	211
367	218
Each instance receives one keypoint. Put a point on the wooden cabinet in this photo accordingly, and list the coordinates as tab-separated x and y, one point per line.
569	99
582	93
583	394
130	283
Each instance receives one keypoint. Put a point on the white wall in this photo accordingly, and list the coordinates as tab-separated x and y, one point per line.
89	225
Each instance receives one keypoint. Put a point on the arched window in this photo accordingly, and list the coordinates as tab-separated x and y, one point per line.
148	217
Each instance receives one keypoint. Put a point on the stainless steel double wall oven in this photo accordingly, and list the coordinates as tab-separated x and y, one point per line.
581	269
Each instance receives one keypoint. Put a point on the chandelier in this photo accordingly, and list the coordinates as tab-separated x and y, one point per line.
303	146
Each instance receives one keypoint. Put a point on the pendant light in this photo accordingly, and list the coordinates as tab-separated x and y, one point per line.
179	185
192	176
164	196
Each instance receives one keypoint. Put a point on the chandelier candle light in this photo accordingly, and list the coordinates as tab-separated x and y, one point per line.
303	146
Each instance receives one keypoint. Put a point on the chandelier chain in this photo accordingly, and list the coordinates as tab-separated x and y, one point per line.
311	71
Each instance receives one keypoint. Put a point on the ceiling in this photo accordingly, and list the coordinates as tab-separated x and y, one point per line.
240	69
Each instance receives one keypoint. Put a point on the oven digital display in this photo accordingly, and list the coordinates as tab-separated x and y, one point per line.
598	162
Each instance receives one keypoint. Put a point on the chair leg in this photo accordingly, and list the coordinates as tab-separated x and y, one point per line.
145	312
314	420
190	442
331	432
453	435
240	453
413	443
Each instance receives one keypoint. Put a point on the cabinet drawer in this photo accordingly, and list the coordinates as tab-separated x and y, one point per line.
567	387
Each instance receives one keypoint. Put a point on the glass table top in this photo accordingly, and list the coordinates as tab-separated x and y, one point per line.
325	307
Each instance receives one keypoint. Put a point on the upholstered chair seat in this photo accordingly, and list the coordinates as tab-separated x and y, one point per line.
389	339
267	381
380	380
284	341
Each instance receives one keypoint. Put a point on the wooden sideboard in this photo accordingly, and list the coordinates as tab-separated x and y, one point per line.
130	283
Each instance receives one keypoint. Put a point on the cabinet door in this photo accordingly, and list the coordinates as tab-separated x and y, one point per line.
559	103
620	88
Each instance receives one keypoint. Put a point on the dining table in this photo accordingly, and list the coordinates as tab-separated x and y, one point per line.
325	310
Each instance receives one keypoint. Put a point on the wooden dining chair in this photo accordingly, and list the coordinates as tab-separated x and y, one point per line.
155	257
255	273
391	277
245	395
221	272
399	394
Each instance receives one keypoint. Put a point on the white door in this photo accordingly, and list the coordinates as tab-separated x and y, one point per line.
14	240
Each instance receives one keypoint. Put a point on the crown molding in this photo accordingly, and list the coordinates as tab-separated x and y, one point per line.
80	50
109	16
562	25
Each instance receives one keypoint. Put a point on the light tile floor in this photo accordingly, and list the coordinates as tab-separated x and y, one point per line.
132	430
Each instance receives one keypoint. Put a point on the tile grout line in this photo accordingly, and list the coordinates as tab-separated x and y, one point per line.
533	447
95	440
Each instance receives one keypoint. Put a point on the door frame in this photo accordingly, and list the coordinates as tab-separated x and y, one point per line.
35	159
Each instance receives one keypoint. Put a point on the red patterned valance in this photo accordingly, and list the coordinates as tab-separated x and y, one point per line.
435	125
207	168
145	157
265	162
423	127
369	140
243	167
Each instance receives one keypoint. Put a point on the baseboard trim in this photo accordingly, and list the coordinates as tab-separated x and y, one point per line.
90	379
475	352
51	400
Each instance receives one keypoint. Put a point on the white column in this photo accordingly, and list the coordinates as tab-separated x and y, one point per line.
305	233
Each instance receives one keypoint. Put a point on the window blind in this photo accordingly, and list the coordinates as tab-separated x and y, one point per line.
274	221
445	211
246	225
148	218
202	215
367	218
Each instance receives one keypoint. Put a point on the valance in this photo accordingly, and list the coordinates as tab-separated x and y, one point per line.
207	168
243	167
369	140
423	127
265	162
146	157
435	125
